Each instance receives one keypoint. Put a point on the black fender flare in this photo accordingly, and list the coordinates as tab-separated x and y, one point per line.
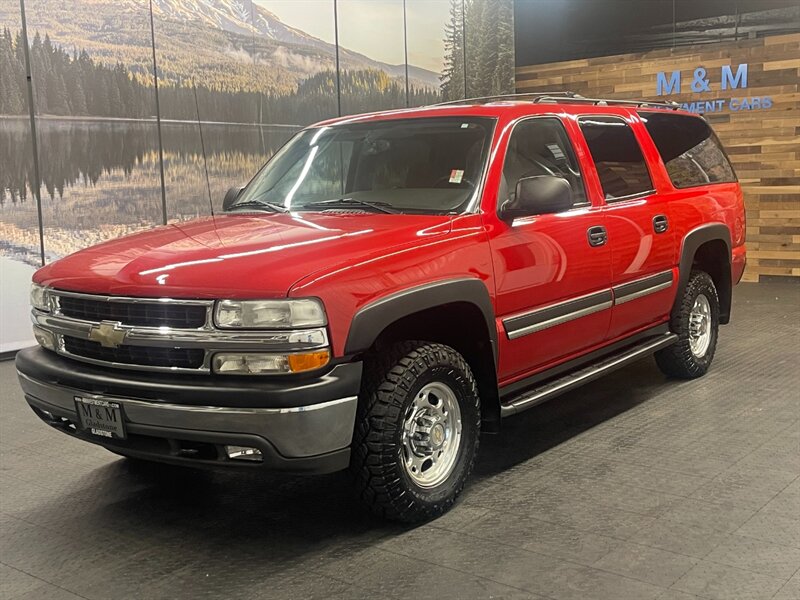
371	320
689	245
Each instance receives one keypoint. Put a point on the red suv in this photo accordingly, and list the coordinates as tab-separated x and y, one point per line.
389	285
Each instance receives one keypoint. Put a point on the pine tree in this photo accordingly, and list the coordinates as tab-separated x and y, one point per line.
453	75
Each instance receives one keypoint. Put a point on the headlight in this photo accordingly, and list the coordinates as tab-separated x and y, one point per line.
269	314
258	363
39	297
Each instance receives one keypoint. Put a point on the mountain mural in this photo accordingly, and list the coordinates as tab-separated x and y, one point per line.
228	45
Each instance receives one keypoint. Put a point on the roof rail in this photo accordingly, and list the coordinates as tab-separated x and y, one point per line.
608	102
561	97
532	96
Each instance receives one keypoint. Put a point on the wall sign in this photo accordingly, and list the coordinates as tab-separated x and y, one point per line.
704	81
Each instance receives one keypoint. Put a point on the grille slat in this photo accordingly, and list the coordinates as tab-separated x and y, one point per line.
142	314
148	356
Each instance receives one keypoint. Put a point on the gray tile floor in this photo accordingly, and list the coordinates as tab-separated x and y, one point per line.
634	488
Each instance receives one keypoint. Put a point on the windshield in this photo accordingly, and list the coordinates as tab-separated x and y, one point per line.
426	165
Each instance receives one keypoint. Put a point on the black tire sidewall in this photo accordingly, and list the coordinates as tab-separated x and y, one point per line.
462	387
699	283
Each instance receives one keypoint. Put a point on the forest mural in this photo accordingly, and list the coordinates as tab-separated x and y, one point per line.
236	78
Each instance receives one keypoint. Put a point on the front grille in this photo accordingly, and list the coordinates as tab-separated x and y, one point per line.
148	356
143	314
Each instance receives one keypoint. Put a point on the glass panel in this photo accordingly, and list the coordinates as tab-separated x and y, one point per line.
571	29
295	61
714	21
19	220
208	97
540	147
489	34
91	66
435	51
430	165
691	152
617	157
372	55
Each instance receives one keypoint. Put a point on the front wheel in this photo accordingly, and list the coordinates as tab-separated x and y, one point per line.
417	430
695	320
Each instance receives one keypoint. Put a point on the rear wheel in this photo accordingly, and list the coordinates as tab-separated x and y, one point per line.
416	432
696	322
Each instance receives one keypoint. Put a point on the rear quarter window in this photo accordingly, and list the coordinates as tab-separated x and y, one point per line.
689	148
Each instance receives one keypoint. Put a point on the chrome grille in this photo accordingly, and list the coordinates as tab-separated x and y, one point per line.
146	356
155	334
144	314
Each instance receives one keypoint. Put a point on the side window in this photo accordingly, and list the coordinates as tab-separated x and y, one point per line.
691	152
617	156
540	147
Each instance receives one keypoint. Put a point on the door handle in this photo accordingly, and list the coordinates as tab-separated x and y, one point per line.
660	223
597	235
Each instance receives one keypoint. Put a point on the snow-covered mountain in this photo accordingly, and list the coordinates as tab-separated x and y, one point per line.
243	17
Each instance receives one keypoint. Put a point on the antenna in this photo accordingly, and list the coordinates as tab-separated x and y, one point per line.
202	146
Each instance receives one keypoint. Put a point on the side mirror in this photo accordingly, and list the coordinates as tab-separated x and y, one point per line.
230	197
538	195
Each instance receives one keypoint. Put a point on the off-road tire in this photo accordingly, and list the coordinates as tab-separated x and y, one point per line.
678	360
391	381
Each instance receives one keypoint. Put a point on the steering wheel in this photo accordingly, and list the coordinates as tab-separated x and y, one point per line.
439	183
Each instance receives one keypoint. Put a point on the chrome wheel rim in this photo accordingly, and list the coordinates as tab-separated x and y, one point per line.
700	326
431	435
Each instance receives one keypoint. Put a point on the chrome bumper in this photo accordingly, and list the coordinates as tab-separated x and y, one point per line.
294	433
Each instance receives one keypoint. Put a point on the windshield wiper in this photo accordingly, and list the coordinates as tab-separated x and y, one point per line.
384	207
260	203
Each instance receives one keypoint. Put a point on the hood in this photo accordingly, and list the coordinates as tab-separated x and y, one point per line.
235	255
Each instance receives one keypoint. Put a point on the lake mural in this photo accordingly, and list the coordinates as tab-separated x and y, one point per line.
236	78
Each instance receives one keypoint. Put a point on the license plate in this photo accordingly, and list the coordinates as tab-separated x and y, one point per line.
100	417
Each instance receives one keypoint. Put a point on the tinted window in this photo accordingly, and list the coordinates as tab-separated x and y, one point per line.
617	156
540	147
690	150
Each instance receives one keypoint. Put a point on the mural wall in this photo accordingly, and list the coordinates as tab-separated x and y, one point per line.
231	81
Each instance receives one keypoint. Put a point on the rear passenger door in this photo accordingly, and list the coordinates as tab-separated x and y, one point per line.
642	243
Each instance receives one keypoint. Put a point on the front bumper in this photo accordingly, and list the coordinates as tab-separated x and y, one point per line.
302	424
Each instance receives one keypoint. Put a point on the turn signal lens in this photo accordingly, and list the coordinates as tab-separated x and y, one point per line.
257	363
44	338
309	361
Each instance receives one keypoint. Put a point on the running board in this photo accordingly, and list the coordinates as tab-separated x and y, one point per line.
550	389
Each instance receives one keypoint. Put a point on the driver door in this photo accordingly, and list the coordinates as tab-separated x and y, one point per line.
553	274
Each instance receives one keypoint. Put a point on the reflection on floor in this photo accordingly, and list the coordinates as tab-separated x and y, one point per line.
633	488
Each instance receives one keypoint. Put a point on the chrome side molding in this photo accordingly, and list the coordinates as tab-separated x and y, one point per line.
642	287
556	314
528	322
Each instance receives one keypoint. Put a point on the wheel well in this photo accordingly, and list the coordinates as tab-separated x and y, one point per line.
713	258
462	326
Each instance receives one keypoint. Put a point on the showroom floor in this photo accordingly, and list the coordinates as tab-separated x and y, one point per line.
633	488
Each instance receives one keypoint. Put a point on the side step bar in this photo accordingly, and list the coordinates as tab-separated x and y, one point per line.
550	389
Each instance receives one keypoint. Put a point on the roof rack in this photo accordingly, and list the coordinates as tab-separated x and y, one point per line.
561	97
531	96
607	102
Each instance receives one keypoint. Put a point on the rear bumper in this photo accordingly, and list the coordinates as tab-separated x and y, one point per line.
312	436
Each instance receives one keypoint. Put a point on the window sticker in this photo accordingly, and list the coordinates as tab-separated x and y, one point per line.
456	175
557	152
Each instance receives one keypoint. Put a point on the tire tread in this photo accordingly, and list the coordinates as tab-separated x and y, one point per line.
388	380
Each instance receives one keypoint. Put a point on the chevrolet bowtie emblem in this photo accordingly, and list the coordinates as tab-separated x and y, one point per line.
109	333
